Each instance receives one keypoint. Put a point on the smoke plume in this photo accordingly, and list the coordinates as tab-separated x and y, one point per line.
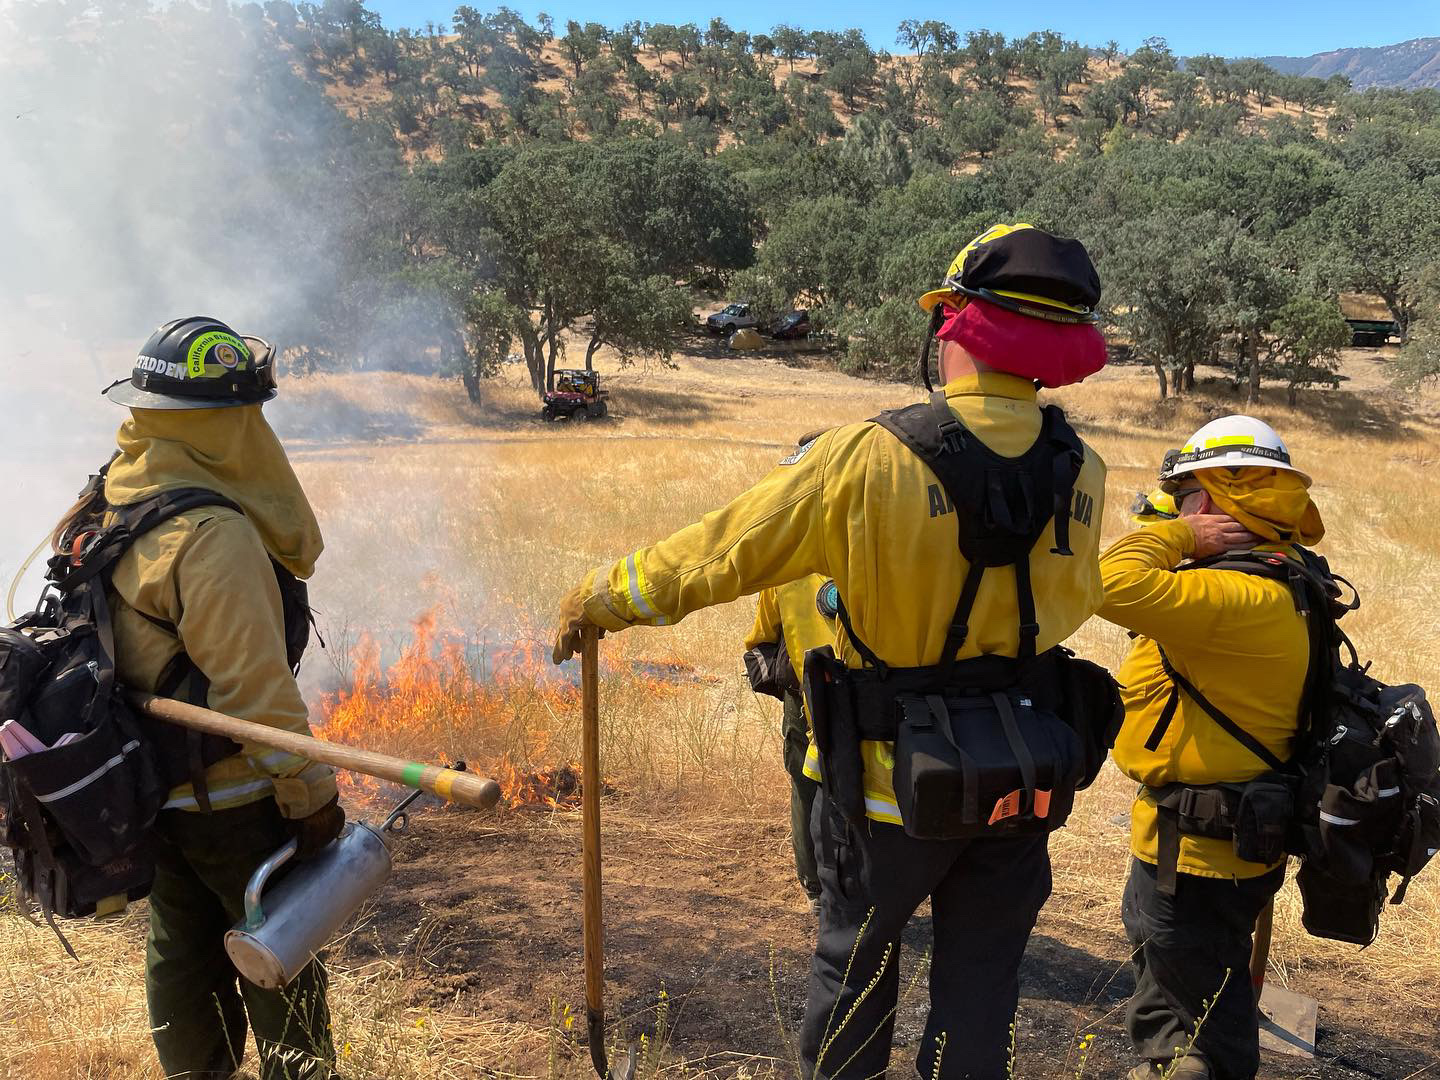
157	163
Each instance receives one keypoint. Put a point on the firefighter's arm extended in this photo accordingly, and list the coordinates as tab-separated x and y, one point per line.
230	620
769	535
1144	593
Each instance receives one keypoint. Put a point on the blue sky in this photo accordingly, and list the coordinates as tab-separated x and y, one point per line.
1227	27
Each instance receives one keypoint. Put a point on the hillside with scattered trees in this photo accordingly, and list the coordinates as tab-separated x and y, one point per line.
448	196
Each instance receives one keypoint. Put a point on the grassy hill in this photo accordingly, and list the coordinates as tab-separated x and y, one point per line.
652	91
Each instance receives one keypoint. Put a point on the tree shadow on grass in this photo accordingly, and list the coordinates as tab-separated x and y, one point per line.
1388	417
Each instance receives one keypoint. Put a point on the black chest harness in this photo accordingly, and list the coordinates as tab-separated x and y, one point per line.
991	743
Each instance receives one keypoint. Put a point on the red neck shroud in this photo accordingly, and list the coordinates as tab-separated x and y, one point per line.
1054	354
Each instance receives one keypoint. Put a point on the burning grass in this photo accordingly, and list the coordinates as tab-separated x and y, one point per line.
506	711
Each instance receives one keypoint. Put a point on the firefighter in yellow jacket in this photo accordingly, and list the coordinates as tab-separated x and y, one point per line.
789	622
1212	690
206	607
862	507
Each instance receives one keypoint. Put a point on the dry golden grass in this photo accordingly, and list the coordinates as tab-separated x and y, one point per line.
485	515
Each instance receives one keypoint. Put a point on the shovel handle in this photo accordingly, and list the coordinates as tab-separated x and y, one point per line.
477	791
590	845
1260	950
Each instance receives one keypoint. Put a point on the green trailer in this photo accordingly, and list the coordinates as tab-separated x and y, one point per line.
1371	324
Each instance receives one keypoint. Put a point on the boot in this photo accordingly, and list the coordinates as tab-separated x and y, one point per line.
1187	1068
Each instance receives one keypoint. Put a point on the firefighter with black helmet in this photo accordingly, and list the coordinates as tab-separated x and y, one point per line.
950	732
210	607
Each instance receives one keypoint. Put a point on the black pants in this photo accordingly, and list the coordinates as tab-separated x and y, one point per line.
1189	948
199	1006
985	895
795	733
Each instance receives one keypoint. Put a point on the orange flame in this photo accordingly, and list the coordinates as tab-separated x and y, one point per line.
502	708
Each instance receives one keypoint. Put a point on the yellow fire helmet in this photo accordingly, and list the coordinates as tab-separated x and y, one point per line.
1025	270
1159	505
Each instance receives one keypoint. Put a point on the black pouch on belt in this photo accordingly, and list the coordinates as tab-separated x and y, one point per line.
984	764
829	698
1262	818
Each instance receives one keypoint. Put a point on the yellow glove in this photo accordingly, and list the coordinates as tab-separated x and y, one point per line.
572	620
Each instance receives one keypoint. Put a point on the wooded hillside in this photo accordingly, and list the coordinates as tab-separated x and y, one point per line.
440	198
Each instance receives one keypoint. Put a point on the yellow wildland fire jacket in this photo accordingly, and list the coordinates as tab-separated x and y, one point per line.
1240	642
855	505
207	572
792	611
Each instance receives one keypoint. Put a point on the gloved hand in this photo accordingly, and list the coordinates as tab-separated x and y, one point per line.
316	832
572	621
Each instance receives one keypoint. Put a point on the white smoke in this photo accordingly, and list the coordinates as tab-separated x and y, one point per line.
156	163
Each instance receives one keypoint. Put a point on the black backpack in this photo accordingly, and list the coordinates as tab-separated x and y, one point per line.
77	816
1365	775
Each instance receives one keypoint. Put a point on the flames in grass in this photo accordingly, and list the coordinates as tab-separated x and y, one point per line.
449	697
504	709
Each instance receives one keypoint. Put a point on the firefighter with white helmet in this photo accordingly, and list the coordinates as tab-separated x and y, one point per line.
1213	691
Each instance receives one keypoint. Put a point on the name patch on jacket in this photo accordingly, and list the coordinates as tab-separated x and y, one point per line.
798	453
940	503
1082	509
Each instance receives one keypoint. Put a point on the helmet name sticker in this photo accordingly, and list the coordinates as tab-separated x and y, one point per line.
155	365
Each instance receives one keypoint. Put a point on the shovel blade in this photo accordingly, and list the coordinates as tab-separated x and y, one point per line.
624	1068
1287	1022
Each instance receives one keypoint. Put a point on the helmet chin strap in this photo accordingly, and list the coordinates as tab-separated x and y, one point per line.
937	318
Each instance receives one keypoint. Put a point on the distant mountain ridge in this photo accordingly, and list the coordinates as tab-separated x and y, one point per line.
1410	64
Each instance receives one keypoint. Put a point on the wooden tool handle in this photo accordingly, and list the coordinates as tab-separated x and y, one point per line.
590	825
457	787
1260	951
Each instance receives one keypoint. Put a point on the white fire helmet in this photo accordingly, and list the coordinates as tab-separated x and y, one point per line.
1229	442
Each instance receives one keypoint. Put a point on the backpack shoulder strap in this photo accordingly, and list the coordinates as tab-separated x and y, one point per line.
1067	458
133	521
1000	502
1229	726
923	430
1310	583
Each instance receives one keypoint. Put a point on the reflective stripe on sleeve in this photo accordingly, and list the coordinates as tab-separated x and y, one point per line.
272	761
639	600
882	810
877	807
218	796
812	763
